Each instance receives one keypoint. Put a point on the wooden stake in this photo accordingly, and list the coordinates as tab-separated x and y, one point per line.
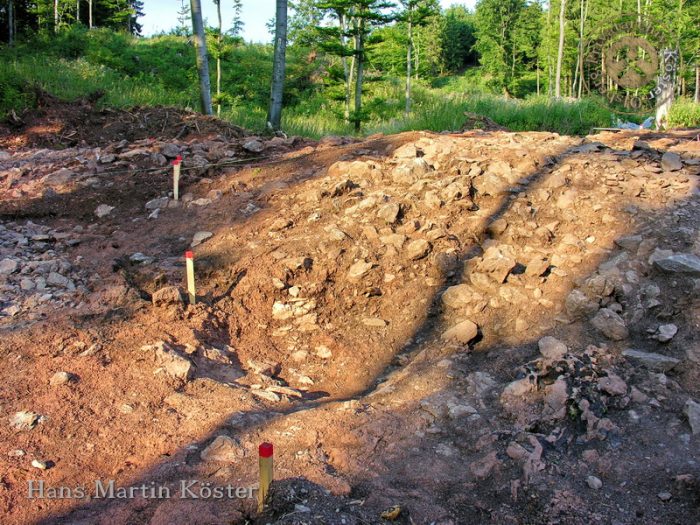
176	177
265	451
189	261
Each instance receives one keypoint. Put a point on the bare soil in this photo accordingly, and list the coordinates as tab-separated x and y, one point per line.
327	295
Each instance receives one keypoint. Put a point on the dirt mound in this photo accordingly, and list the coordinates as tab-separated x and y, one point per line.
474	121
57	124
485	327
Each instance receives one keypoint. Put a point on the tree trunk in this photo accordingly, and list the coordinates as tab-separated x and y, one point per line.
219	41
696	98
359	51
560	53
549	54
347	73
10	22
667	91
584	13
77	11
200	45
353	65
416	49
408	67
89	14
274	116
55	16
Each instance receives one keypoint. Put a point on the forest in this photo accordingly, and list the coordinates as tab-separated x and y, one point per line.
362	65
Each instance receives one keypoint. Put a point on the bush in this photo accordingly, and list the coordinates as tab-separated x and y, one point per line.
684	114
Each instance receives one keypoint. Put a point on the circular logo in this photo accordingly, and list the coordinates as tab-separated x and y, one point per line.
632	62
624	60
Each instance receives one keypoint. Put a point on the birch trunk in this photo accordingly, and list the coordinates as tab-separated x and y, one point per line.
200	45
218	59
10	22
560	53
274	117
408	67
359	50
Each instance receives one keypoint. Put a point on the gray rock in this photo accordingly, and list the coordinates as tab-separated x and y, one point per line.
671	161
551	348
175	365
610	324
140	258
8	266
358	270
389	213
491	184
222	450
61	378
685	263
201	202
170	150
537	266
692	411
651	360
25	420
494	267
612	384
169	295
156	204
456	410
103	210
41	465
58	280
666	332
478	383
519	388
462	332
594	482
460	296
374	322
253	146
417	249
630	243
58	178
199	237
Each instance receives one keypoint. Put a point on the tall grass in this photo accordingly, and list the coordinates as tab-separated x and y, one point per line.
72	79
684	114
160	71
534	114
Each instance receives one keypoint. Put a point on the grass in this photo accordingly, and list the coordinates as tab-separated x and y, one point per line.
533	114
160	71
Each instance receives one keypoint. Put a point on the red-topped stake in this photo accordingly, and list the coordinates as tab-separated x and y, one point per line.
189	263
265	451
176	177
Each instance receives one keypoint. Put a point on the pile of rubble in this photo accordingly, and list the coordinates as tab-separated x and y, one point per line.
438	328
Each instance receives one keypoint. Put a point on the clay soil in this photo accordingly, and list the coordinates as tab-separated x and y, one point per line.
327	296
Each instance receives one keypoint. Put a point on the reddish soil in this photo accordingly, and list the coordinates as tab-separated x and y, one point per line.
323	321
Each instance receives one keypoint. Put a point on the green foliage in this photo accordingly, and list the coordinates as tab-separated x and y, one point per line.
507	38
13	90
684	114
458	37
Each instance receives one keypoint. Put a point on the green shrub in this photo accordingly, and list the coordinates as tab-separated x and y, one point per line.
684	114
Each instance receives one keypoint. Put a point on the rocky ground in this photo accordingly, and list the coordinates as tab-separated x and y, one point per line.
483	327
